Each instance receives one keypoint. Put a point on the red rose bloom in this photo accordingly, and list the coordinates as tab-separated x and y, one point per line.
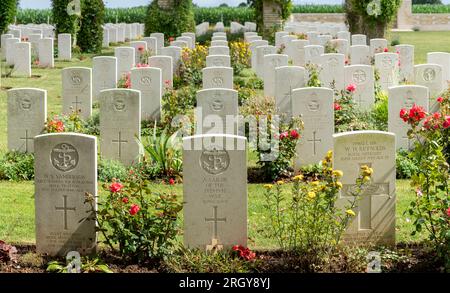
417	113
440	99
134	209
337	107
171	181
404	114
125	200
448	212
141	48
115	187
294	134
386	50
351	88
446	123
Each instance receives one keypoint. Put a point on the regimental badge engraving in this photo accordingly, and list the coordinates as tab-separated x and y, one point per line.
217	81
215	161
64	157
429	74
25	103
119	104
146	80
76	78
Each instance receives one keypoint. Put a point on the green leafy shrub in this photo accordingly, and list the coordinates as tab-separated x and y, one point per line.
137	223
111	169
177	102
380	111
172	22
406	166
87	265
8	10
34	16
64	23
17	166
240	56
305	219
164	150
192	63
90	35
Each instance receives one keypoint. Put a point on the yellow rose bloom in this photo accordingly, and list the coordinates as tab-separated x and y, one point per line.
268	186
350	213
298	177
366	179
339	185
311	195
329	154
280	182
338	173
315	183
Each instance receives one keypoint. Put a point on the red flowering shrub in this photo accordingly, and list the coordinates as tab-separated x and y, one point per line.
430	209
125	81
137	222
54	125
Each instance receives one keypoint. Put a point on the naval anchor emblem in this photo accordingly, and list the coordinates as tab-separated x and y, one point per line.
64	157
215	161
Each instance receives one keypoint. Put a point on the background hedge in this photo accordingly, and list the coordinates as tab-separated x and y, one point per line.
8	10
64	23
90	35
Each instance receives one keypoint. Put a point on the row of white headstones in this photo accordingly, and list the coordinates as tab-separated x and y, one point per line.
215	213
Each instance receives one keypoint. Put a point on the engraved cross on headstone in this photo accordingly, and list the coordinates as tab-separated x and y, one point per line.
119	141
65	208
26	138
77	102
314	140
215	220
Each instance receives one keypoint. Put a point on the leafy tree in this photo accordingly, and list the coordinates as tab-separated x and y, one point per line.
8	9
223	5
434	2
242	4
172	22
371	17
90	35
65	23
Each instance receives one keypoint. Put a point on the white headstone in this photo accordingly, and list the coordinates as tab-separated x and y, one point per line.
360	55
378	46
140	48
65	47
215	191
10	52
430	76
313	53
175	53
217	77
27	114
375	212
296	52
287	79
442	59
77	91
65	170
165	64
404	97
272	61
46	58
406	59
362	76
315	105
120	125
148	80
260	53
332	71
104	72
22	59
218	110
152	45
125	60
218	61
220	50
387	66
359	40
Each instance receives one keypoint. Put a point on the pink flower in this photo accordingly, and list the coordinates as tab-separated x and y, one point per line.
337	107
283	135
440	99
125	200
448	212
134	209
141	49
115	187
351	88
386	50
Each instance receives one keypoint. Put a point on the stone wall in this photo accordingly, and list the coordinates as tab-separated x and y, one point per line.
271	14
319	17
165	4
406	20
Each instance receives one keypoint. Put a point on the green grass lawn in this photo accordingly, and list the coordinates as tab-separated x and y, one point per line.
17	213
17	202
424	42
